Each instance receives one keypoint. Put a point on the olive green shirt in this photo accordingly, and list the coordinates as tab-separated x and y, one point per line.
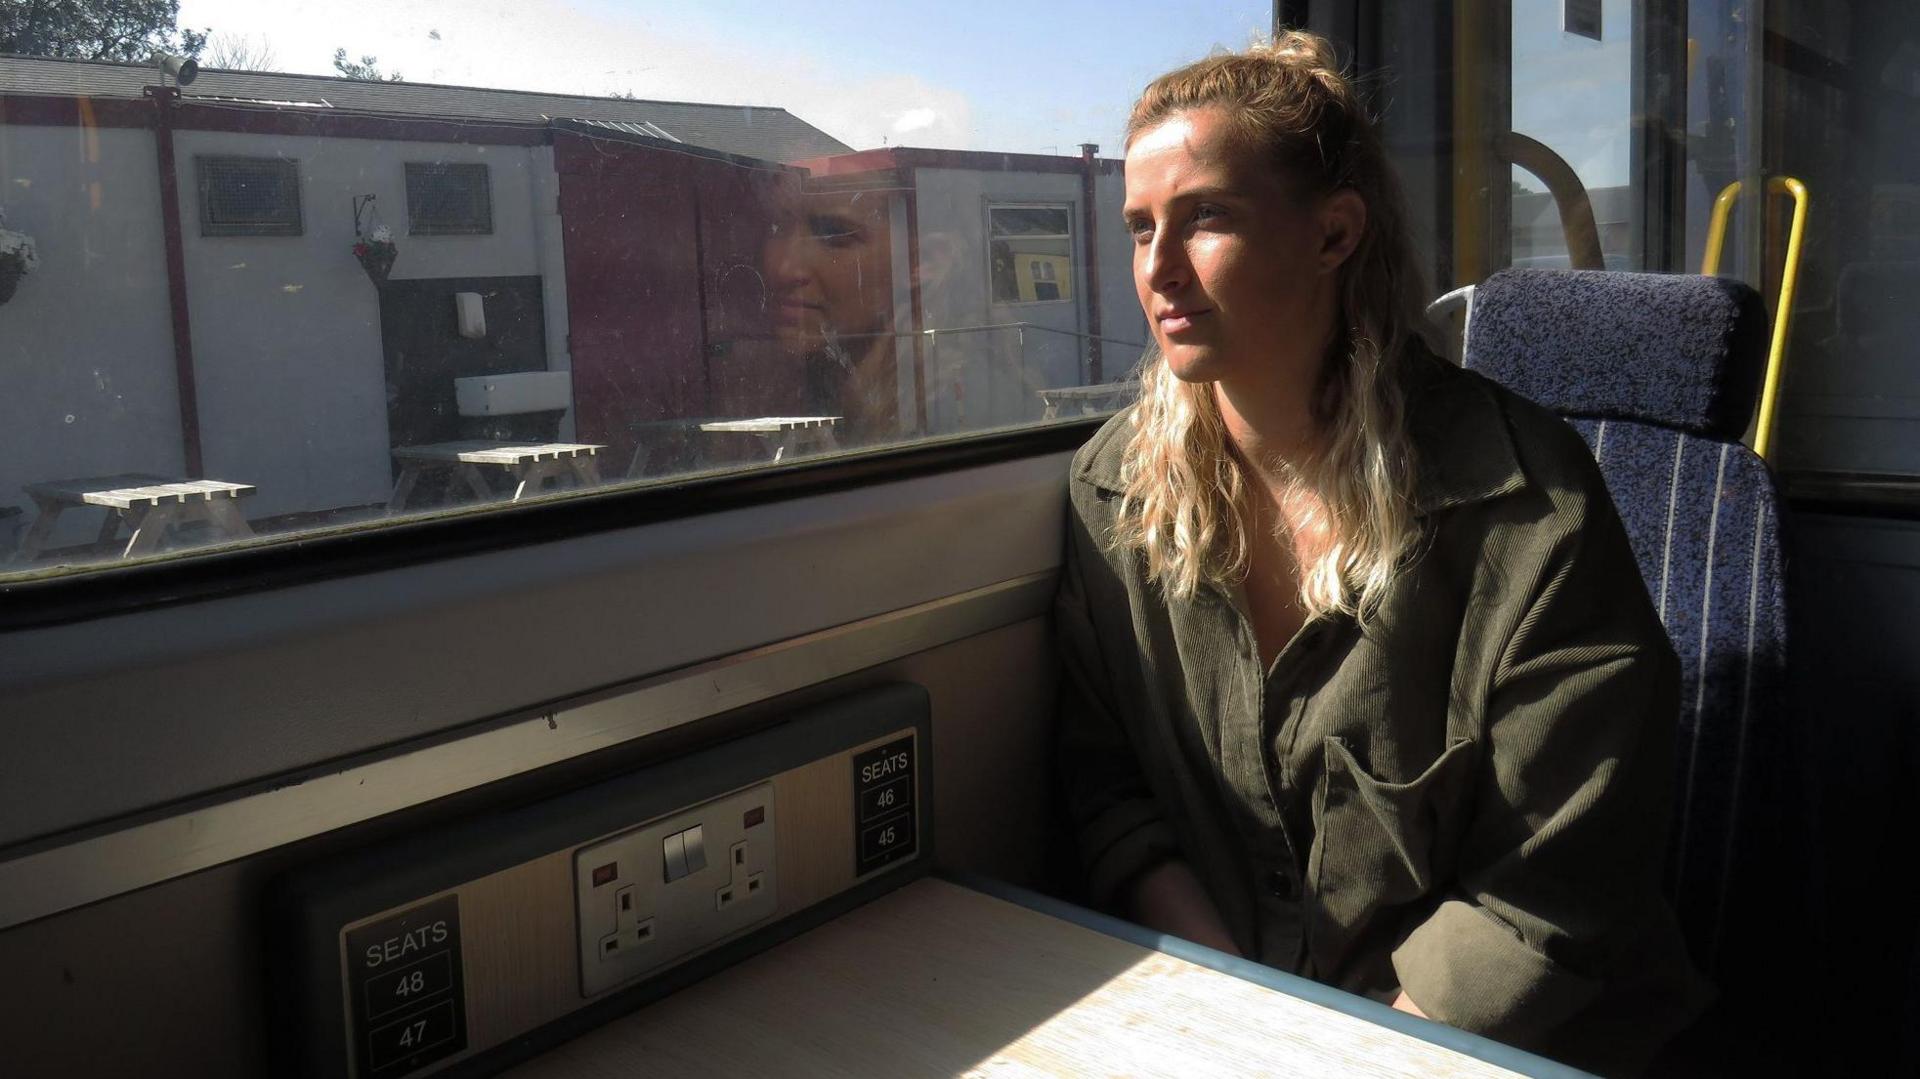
1467	797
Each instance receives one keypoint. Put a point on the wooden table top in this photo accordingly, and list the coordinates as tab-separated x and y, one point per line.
938	979
130	489
772	424
482	452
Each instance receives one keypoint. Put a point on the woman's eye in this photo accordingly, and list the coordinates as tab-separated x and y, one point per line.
834	232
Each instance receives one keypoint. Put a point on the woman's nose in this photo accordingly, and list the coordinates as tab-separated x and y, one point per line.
786	261
1164	268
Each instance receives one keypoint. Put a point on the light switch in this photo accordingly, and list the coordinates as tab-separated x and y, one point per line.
676	856
696	849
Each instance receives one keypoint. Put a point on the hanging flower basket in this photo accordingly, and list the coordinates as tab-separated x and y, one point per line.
17	259
376	252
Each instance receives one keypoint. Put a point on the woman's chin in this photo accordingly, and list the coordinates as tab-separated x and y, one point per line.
1192	365
800	336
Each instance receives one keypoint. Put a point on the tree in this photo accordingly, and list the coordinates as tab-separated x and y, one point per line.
367	70
129	30
232	52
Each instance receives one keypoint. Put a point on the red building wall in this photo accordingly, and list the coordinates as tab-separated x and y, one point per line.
663	252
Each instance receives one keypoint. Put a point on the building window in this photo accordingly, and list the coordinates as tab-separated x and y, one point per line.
448	200
248	196
1030	253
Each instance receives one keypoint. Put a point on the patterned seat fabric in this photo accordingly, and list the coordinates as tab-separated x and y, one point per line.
1659	373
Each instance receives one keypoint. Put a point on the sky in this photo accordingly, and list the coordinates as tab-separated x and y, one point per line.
986	75
1573	93
1021	77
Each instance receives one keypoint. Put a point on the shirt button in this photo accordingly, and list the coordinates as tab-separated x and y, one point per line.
1282	885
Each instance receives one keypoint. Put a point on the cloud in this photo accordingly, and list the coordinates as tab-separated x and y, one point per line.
915	120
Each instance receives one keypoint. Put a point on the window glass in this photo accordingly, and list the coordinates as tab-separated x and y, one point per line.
367	263
249	196
1841	95
1031	253
1571	95
448	200
1778	143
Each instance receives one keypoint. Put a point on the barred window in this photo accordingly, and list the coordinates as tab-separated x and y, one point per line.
249	196
448	200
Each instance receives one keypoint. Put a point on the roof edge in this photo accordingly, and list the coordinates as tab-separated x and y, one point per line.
896	157
341	79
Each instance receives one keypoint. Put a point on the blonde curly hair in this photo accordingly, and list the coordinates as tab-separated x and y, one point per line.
1184	503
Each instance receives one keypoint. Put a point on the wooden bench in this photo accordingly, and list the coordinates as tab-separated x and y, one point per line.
785	436
529	464
149	506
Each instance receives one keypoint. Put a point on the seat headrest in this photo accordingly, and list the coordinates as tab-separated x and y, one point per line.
1678	350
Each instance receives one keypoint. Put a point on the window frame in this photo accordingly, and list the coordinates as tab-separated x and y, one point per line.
379	668
1072	277
427	170
203	166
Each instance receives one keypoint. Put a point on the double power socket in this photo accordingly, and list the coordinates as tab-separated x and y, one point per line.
674	886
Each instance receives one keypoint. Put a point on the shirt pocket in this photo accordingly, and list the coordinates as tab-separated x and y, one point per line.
1378	844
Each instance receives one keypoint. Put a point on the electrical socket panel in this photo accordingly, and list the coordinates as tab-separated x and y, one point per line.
671	887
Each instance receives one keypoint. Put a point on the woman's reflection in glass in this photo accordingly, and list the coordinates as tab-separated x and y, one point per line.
830	300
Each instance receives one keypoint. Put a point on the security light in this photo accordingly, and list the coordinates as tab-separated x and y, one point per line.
183	69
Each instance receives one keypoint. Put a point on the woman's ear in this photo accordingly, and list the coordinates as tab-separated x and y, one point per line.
1343	220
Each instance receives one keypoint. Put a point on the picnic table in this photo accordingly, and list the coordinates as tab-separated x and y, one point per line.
1087	400
785	436
529	465
662	447
149	506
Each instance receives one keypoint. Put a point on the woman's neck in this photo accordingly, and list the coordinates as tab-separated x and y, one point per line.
866	389
1270	424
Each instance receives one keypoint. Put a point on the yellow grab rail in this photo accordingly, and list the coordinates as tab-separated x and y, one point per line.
1789	276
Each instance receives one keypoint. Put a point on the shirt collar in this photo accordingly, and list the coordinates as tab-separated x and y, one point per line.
1462	444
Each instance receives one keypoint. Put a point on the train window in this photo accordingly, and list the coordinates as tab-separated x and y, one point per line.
508	270
1772	142
538	257
1572	88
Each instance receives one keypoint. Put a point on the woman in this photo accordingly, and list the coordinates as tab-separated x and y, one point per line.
1361	677
829	296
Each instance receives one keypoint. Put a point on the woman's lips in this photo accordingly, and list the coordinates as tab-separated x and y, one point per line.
793	312
1180	322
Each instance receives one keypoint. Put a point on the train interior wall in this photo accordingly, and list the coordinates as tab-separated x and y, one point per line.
172	980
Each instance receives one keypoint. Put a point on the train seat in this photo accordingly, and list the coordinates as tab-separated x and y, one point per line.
1660	374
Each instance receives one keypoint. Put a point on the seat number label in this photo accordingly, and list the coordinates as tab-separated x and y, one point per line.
406	998
884	793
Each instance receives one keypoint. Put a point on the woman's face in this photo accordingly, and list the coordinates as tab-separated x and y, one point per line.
827	267
1237	275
